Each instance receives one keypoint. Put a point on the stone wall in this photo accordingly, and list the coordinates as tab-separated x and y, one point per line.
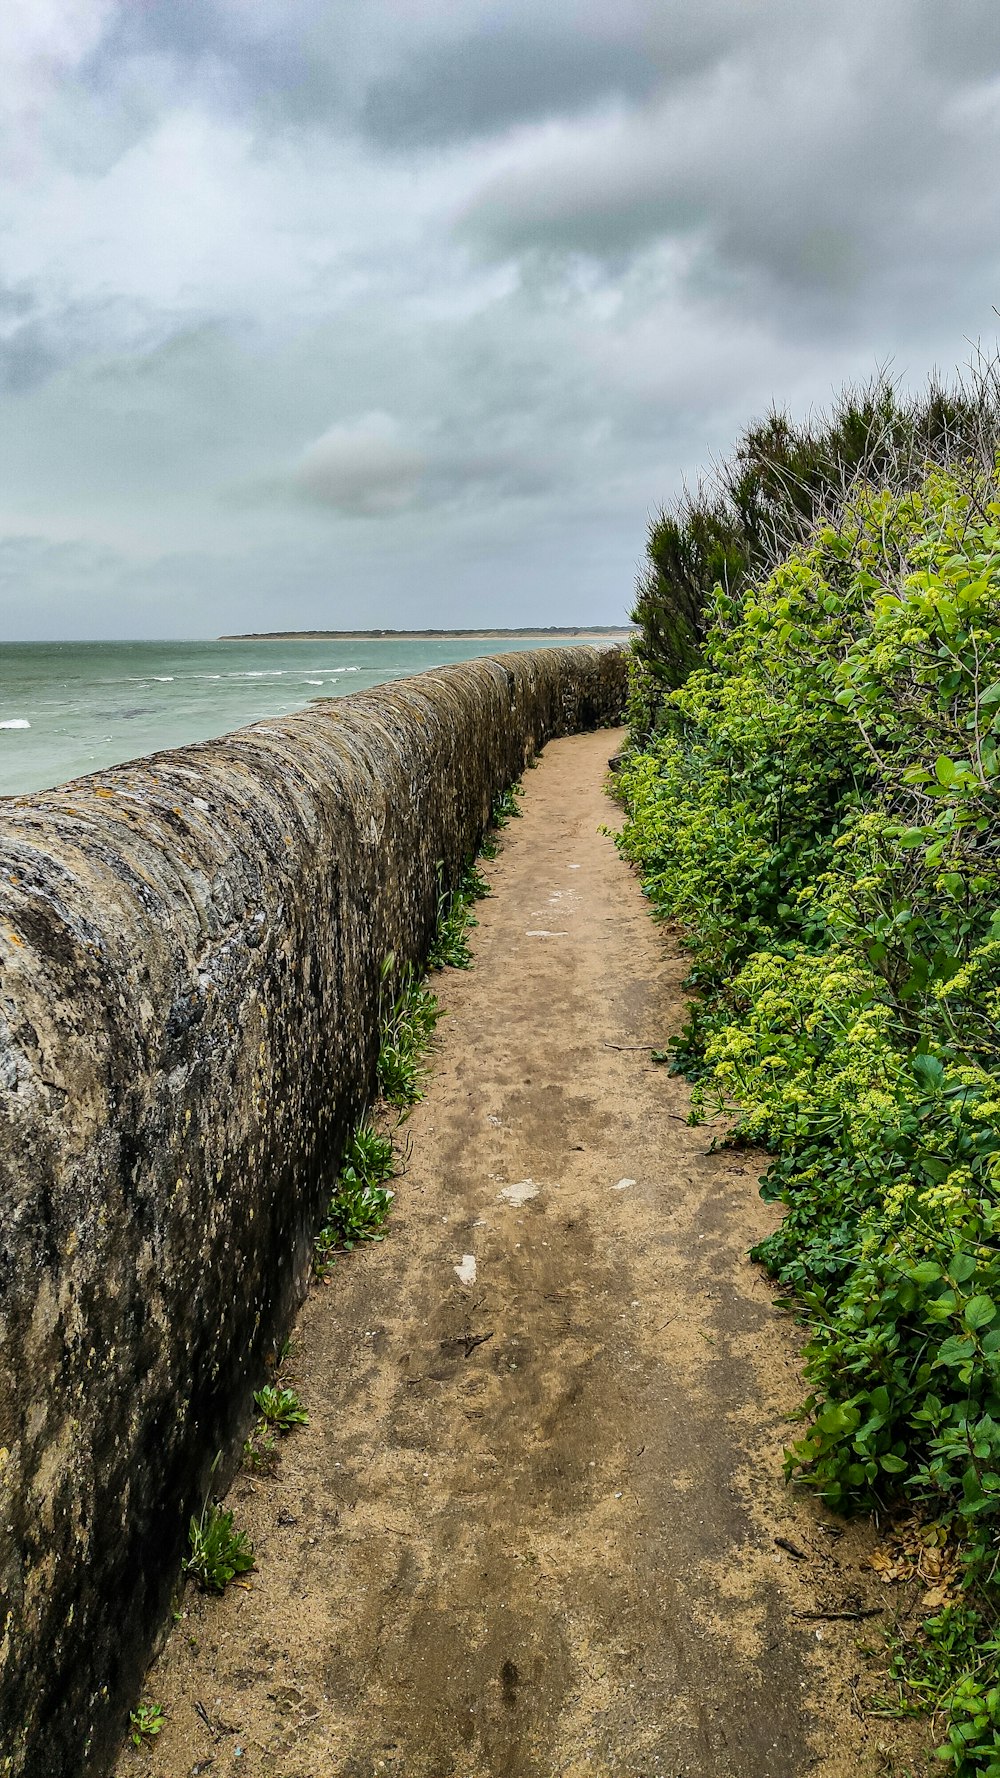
191	948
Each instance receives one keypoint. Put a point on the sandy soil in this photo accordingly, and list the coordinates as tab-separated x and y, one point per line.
532	1527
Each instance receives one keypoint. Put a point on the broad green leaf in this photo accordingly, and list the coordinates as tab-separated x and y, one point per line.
927	1272
929	1070
962	1266
955	1351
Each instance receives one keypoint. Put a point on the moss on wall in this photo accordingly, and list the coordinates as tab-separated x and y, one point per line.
190	950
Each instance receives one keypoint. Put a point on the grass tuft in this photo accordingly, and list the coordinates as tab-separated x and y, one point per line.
408	1028
280	1408
218	1553
359	1203
450	949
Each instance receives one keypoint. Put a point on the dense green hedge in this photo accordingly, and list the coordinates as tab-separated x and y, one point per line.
818	808
781	478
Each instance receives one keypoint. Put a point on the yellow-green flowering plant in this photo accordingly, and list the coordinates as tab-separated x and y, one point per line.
818	811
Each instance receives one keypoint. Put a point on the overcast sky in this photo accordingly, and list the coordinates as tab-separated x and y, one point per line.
344	313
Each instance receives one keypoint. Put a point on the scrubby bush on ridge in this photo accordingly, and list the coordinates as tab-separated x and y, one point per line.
817	806
780	480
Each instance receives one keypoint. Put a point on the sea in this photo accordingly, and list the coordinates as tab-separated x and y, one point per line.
68	708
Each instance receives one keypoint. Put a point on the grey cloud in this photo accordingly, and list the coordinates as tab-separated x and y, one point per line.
372	466
279	61
962	41
42	581
811	183
336	68
36	344
25	360
423	78
478	85
15	303
362	467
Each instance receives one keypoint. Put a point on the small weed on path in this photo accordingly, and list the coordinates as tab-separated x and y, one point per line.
450	949
145	1724
360	1201
260	1453
408	1026
280	1408
218	1553
505	808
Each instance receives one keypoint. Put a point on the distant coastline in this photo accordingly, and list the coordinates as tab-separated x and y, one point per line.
602	630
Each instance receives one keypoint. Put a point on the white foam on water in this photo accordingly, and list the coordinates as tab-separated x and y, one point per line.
15	722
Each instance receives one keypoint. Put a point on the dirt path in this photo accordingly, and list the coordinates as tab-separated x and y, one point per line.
551	1552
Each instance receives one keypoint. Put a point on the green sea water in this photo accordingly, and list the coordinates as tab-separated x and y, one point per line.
67	708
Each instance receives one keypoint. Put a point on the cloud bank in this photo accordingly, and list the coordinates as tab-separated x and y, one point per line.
316	314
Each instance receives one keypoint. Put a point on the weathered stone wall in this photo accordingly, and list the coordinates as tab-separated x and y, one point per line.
191	948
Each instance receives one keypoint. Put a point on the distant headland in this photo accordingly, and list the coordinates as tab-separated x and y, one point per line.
429	635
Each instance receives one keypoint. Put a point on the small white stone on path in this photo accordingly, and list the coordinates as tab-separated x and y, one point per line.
623	1185
519	1193
466	1272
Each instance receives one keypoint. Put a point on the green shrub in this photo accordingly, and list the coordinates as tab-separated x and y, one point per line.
356	1213
781	479
369	1158
818	810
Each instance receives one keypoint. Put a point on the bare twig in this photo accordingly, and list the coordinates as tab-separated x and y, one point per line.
792	1549
848	1616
